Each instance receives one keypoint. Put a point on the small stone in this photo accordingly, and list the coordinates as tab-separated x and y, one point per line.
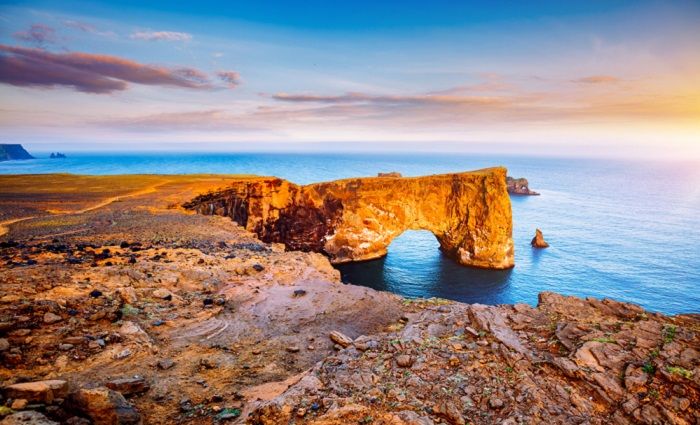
50	318
95	293
454	361
166	364
208	302
301	412
404	360
65	347
128	386
122	354
162	293
4	344
293	348
299	293
495	403
258	267
19	404
340	339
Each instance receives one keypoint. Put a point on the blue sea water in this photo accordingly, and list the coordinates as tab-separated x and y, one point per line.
621	229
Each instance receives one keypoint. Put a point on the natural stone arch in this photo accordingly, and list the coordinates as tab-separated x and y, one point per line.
356	219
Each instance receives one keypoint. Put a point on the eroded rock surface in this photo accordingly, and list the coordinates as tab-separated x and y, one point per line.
568	361
356	219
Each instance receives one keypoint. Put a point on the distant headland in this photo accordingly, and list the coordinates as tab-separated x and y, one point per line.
12	152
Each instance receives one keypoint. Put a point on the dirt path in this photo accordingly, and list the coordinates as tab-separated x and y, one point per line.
4	226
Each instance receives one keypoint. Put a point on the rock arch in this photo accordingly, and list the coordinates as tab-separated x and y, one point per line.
356	219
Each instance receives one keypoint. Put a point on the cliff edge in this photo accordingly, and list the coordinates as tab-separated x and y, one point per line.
356	219
13	151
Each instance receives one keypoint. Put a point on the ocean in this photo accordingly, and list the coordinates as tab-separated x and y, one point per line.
627	230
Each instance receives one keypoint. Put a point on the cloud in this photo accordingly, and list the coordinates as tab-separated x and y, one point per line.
202	120
38	34
87	28
161	36
231	78
598	79
423	99
87	72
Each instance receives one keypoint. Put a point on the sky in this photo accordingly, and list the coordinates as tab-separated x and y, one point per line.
589	78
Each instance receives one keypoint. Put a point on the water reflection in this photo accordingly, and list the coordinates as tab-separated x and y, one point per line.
415	267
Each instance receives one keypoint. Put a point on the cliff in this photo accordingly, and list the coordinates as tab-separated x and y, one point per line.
9	152
519	186
356	219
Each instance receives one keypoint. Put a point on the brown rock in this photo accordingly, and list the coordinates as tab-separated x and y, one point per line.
128	386
19	404
356	219
538	241
105	407
340	339
38	391
404	360
29	417
50	318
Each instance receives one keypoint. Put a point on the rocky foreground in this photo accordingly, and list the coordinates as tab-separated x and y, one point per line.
140	312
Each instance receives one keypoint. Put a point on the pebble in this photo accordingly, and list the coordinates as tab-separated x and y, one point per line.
4	344
340	339
165	364
293	349
495	403
50	318
95	293
65	347
404	360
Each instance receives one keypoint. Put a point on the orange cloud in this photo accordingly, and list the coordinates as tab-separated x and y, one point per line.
598	79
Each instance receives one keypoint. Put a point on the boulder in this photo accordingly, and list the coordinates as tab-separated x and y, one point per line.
37	391
105	407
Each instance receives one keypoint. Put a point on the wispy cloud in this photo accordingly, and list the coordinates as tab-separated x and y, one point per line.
37	34
424	99
231	78
598	79
202	120
87	28
161	36
87	72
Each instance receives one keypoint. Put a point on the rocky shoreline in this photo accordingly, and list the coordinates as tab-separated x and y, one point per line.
141	312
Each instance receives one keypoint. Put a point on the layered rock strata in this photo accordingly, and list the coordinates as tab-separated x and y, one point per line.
356	219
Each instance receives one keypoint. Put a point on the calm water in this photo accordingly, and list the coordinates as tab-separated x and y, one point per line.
620	229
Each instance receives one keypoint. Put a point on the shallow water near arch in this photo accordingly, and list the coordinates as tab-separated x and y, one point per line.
622	229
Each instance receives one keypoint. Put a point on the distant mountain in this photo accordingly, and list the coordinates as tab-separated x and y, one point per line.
9	152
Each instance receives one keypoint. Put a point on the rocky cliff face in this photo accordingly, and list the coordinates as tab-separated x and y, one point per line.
356	219
9	152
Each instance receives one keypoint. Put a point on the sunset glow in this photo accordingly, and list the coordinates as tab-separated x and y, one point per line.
607	79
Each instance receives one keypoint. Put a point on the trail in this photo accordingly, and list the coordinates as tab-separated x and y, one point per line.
4	226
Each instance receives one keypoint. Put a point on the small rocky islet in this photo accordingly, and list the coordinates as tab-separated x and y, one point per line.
140	311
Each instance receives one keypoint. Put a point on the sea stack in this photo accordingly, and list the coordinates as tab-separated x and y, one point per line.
519	186
10	152
538	241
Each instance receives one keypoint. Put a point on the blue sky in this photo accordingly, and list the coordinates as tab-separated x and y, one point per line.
597	77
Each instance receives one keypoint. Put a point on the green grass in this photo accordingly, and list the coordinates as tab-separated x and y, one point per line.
648	368
687	374
669	333
605	339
